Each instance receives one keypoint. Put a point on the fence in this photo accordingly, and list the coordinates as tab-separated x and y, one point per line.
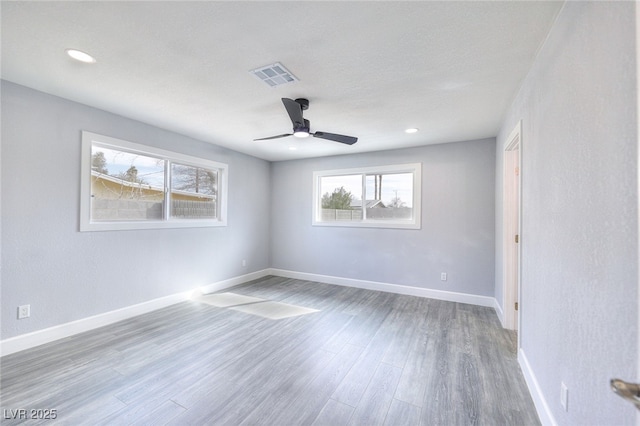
333	215
105	209
337	215
193	209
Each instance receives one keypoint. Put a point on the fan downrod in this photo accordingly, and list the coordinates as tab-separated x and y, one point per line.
304	103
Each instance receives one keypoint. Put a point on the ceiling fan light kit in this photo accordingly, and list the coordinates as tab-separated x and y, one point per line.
301	126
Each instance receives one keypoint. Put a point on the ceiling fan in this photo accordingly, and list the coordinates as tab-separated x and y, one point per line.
301	126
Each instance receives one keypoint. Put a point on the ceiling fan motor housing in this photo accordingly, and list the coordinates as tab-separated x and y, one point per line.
302	131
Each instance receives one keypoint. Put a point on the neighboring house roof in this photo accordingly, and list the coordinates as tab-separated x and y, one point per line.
146	186
368	204
123	182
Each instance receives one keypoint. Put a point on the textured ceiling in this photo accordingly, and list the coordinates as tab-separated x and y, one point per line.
369	69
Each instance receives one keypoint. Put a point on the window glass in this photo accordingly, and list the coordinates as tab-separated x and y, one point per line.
125	186
130	186
387	196
193	192
341	198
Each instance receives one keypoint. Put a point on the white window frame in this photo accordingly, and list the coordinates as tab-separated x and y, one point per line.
90	139
413	223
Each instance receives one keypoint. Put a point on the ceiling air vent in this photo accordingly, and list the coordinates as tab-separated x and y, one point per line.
274	74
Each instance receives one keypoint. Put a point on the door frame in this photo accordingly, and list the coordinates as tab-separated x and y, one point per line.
637	7
513	143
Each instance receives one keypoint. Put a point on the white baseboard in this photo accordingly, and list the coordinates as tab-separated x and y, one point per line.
546	417
499	312
390	288
47	335
221	285
40	337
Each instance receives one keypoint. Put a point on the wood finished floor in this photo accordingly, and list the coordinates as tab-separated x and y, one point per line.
367	358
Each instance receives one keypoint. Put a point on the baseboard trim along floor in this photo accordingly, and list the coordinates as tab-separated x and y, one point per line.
449	296
47	335
40	337
544	413
354	356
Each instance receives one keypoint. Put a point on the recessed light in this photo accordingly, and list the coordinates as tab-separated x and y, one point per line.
81	56
412	130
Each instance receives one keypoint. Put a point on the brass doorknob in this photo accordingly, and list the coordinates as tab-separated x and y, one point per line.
628	391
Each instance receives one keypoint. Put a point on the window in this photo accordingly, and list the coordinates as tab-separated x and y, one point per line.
130	186
385	197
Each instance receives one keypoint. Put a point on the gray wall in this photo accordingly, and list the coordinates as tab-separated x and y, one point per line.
579	223
457	234
67	275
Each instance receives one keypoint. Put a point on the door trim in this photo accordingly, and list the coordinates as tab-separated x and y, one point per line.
637	7
511	316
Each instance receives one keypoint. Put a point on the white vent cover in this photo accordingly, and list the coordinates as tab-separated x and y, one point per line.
274	74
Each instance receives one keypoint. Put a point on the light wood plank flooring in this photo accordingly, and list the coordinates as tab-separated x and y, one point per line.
366	358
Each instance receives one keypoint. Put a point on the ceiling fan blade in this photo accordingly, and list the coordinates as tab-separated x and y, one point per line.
274	137
294	110
349	140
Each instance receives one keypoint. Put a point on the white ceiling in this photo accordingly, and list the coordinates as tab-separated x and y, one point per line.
369	69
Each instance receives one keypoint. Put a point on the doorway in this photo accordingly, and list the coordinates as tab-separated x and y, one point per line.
512	178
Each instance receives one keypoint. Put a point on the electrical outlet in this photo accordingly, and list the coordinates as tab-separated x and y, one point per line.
24	311
244	262
564	396
443	276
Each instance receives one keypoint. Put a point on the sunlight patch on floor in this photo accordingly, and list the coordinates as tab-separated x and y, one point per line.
225	300
254	305
274	310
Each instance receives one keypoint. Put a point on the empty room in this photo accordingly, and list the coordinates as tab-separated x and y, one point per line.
319	213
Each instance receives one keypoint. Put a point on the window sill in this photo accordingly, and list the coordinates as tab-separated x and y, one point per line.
136	225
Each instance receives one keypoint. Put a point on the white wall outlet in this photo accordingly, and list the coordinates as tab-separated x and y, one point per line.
443	276
244	262
24	311
564	396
